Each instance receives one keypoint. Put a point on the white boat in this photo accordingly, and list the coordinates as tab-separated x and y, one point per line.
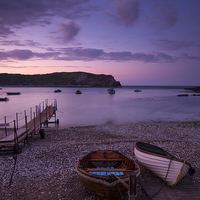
164	165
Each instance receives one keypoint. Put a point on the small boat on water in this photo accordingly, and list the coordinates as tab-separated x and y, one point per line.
137	90
96	171
78	92
160	162
13	93
58	90
111	91
4	99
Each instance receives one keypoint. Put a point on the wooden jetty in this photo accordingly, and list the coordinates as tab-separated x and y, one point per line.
11	141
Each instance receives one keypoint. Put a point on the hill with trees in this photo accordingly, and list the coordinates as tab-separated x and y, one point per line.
62	79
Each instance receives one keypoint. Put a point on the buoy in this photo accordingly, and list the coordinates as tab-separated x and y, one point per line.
42	133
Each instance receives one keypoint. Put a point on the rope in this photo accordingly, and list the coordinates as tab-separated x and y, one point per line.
165	178
126	185
61	114
107	184
145	192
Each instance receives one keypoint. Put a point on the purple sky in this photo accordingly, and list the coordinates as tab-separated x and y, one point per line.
139	42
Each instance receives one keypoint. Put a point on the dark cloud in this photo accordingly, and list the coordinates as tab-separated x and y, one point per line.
70	29
20	54
167	44
164	58
15	14
30	43
167	16
128	11
187	57
87	55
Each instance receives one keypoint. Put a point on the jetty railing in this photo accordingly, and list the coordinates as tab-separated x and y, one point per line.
19	126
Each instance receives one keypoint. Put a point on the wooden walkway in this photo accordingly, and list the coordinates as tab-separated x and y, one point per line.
182	191
29	128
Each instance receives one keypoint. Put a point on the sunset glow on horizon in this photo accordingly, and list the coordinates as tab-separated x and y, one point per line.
139	42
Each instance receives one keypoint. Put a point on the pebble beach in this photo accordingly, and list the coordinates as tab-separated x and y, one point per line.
45	168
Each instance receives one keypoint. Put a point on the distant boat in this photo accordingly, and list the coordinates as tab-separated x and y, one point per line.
111	91
164	165
137	90
182	95
58	90
4	99
78	92
95	171
13	93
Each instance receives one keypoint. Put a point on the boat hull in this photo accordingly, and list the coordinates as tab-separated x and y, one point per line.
4	99
163	164
105	187
13	93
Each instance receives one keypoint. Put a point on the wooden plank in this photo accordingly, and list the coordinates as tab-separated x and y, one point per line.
21	133
105	159
107	170
11	137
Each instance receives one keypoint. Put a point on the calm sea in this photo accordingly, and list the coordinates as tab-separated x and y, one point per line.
96	106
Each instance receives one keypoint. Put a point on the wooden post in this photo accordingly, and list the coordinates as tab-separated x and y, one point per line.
43	106
17	119
26	129
34	121
49	111
5	125
46	109
40	118
132	186
31	112
16	144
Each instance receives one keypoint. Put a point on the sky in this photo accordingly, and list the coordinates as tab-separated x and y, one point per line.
139	42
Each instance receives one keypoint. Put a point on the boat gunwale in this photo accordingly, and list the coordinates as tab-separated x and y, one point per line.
106	177
158	155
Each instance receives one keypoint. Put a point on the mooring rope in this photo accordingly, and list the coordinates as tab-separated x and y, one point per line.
99	180
126	185
15	159
164	180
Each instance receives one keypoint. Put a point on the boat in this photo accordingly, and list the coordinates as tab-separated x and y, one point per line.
111	91
161	163
182	95
13	93
137	90
97	171
78	92
4	99
58	90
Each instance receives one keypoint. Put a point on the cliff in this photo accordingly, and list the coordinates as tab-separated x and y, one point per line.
65	79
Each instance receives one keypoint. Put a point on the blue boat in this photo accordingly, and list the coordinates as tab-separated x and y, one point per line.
111	91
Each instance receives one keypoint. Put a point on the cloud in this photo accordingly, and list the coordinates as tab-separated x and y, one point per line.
20	54
70	29
187	57
167	44
17	14
167	16
128	11
30	43
88	54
